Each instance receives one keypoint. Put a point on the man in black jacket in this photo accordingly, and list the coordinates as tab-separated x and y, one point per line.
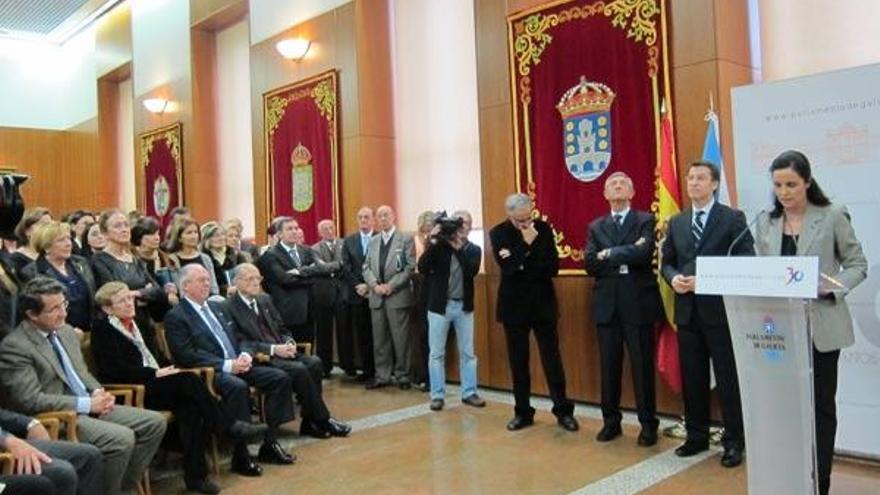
354	251
450	263
45	466
707	228
620	250
525	250
260	332
328	299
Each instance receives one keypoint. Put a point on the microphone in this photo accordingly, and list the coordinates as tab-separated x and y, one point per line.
748	227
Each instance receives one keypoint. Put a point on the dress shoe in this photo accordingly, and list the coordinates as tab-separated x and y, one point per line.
404	385
373	384
204	485
568	423
519	422
272	453
246	465
437	404
241	430
609	432
474	401
732	457
647	437
689	449
337	428
312	429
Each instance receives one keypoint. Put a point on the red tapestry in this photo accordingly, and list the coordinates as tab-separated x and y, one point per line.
302	146
586	79
162	158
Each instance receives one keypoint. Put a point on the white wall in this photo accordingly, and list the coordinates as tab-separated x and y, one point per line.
802	37
270	17
48	86
127	197
234	146
160	43
435	109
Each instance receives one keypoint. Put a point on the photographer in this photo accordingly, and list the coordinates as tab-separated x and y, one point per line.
450	263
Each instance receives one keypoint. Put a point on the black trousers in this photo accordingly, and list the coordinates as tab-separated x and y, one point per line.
197	413
639	341
328	318
518	356
362	330
825	394
29	484
306	373
274	383
697	343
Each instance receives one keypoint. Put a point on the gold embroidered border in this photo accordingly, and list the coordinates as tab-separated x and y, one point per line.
173	136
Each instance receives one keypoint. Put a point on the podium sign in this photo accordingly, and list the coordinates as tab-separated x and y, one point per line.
767	276
766	300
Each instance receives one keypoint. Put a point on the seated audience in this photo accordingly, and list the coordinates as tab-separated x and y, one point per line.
145	245
95	241
42	369
26	253
183	250
223	258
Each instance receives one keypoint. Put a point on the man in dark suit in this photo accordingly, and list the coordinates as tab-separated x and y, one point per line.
328	298
290	269
201	333
260	331
62	468
620	250
525	250
354	252
707	228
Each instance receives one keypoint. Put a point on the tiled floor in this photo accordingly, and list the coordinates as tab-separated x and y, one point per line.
400	447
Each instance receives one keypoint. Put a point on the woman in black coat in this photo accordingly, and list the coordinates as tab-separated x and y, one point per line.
123	355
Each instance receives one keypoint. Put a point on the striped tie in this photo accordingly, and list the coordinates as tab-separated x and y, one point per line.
697	227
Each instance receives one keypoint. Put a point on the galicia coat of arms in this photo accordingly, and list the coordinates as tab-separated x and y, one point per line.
586	129
161	196
302	177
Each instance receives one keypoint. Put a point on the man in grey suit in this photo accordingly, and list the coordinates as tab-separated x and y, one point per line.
329	295
66	468
42	369
388	267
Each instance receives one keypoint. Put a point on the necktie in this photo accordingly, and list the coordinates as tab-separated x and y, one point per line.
697	227
217	330
295	255
73	380
618	220
365	243
254	306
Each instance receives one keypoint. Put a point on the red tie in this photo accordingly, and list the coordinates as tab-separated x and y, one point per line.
128	323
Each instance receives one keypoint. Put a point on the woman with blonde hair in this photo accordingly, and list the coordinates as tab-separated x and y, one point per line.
56	260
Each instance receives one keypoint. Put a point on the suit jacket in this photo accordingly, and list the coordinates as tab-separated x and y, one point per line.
117	358
827	233
353	267
328	288
13	423
525	296
399	267
32	379
290	293
633	294
191	342
246	325
679	256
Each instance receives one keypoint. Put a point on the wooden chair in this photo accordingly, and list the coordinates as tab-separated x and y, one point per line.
52	425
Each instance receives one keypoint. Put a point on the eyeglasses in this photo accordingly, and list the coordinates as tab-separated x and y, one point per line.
58	308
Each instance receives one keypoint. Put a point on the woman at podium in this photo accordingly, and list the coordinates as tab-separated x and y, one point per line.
804	222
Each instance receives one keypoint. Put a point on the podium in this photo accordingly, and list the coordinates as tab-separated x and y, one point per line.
767	300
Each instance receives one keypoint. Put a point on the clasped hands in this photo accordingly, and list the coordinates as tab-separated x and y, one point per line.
102	402
382	289
242	364
682	284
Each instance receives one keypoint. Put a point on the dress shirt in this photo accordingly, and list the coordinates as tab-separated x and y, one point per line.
227	363
387	234
707	209
83	402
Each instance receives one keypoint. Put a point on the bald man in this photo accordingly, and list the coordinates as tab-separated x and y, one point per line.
354	251
388	269
328	297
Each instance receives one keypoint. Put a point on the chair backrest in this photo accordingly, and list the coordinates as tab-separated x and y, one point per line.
161	342
86	347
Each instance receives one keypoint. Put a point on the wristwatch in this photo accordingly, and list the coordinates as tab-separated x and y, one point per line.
34	422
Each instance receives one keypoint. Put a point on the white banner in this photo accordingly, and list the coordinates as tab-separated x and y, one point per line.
833	118
766	276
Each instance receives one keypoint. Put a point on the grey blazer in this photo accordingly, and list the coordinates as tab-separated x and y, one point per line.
828	234
399	267
31	377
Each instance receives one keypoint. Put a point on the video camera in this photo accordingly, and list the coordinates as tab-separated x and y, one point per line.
449	226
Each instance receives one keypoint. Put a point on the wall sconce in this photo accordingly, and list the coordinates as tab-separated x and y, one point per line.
293	48
156	105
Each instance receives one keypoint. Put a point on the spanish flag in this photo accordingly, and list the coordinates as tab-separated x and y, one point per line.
668	204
